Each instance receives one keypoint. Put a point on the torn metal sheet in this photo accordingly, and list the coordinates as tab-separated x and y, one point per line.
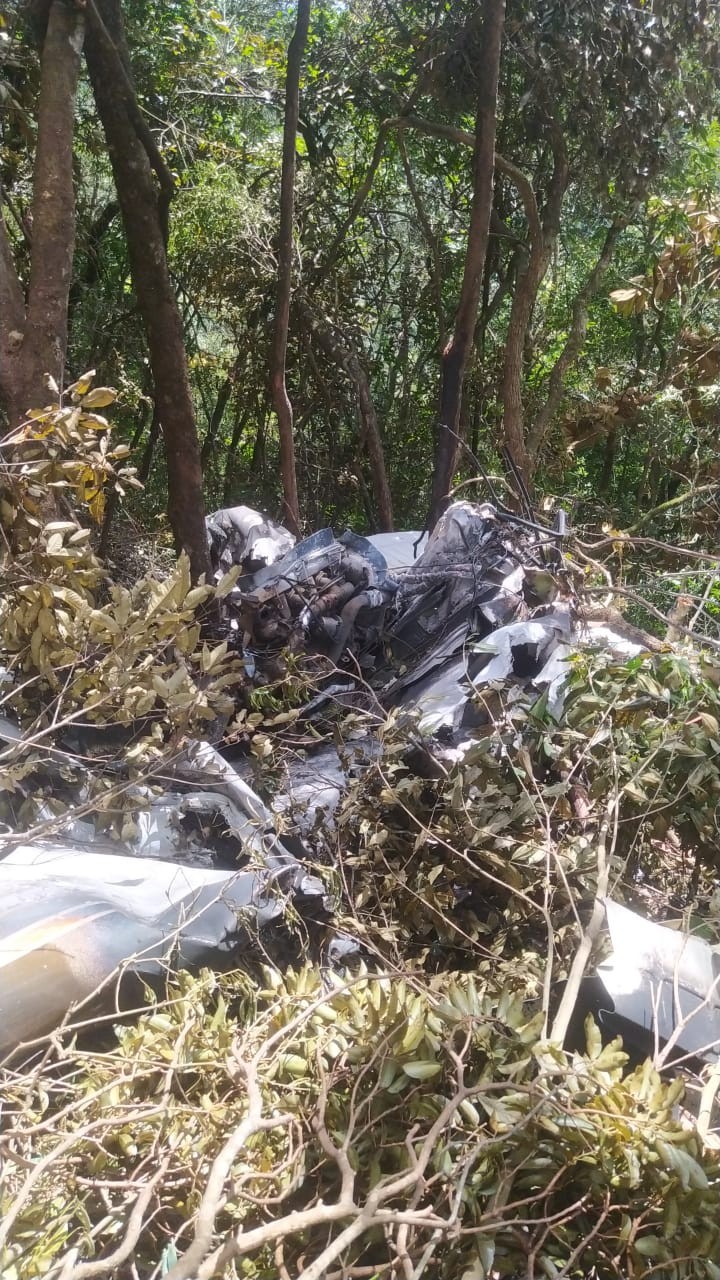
240	535
70	917
534	652
208	858
665	982
314	783
70	914
364	596
400	550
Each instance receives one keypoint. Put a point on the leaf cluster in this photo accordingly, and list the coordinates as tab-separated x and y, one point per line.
536	1154
499	848
78	647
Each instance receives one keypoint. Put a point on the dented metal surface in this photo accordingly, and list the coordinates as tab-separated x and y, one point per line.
665	981
72	911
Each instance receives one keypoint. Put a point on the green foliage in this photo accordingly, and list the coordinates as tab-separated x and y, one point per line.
540	1164
425	1092
477	863
77	645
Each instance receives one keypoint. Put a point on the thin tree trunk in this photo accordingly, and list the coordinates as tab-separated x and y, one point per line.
361	195
432	241
281	399
12	324
609	455
148	452
574	341
529	279
53	207
457	353
370	436
142	204
114	497
92	249
231	455
33	340
347	358
218	414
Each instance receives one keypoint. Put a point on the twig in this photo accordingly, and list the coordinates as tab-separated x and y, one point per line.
582	955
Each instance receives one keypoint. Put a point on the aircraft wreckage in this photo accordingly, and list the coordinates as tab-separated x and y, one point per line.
413	624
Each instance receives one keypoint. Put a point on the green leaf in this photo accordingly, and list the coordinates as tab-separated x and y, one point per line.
422	1070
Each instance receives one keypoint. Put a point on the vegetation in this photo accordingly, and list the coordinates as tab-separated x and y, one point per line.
337	261
597	382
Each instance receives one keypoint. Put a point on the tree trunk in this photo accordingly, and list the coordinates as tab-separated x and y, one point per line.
113	499
142	204
53	207
347	358
146	461
457	353
529	279
574	341
370	437
241	421
34	339
12	325
218	414
281	399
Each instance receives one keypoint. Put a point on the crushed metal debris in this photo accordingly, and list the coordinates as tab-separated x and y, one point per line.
413	624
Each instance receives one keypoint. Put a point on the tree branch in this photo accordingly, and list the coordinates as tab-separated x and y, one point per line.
361	196
431	238
432	129
452	134
139	123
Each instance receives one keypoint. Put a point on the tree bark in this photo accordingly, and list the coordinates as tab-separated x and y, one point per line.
457	352
12	324
543	236
370	437
34	338
281	399
431	239
53	207
142	204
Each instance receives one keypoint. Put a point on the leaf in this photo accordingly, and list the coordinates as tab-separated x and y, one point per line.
83	384
649	1246
593	1038
228	580
95	422
197	596
61	526
414	1034
629	302
422	1070
99	398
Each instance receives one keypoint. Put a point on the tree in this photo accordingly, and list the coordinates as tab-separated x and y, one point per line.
457	352
33	334
281	399
144	188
